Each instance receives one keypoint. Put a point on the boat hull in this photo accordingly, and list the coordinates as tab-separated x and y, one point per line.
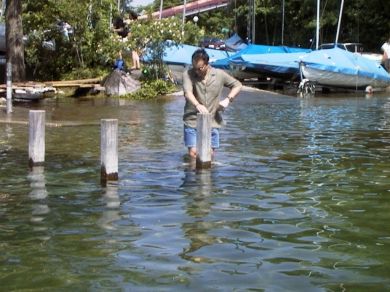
334	79
340	68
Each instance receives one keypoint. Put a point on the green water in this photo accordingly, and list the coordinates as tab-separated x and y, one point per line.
297	199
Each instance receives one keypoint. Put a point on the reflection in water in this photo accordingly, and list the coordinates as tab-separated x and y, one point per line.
296	202
5	138
36	178
8	131
386	118
38	195
199	187
111	211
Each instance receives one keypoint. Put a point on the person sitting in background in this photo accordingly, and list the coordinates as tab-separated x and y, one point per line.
120	63
386	55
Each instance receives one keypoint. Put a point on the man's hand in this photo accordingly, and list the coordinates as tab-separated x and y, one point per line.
224	103
202	109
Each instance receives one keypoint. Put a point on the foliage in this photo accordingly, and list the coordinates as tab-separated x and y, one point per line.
85	73
91	43
94	45
361	20
153	88
215	22
192	33
152	37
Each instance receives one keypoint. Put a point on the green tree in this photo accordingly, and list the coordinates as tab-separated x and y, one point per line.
153	37
366	22
91	44
168	3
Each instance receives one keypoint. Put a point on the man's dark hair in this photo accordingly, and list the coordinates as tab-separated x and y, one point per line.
133	15
200	54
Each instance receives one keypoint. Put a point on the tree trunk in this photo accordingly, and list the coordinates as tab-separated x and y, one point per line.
14	39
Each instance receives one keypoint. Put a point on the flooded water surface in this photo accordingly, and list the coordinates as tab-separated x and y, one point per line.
297	198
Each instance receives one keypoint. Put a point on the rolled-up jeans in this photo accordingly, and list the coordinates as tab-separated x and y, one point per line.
190	137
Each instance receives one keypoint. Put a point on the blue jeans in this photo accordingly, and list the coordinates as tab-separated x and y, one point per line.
190	137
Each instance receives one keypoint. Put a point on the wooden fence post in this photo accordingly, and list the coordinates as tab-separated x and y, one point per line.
36	143
109	150
203	141
9	87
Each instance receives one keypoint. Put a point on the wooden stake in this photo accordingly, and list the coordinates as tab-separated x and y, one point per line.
109	150
36	144
203	141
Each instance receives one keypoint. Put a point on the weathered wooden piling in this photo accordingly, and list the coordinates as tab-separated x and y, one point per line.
36	143
109	150
203	141
9	87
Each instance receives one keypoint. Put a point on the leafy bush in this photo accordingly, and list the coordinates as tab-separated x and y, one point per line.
85	73
153	88
152	37
91	44
92	47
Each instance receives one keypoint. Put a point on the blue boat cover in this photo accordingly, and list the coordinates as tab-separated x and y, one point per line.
345	62
240	57
181	54
277	63
235	43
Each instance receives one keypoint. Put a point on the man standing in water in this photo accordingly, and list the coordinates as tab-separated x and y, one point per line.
203	86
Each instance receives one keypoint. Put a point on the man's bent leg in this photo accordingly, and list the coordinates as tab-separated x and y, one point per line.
190	140
192	152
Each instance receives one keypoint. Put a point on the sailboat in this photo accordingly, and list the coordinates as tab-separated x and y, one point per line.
340	68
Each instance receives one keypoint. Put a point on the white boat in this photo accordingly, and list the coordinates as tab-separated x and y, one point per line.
356	48
32	93
340	68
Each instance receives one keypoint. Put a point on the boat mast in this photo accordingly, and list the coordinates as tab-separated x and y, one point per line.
184	18
249	23
251	26
283	22
318	24
253	21
161	8
339	23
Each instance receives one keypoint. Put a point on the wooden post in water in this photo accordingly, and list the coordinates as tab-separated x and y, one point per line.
9	87
109	150
36	143
203	141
